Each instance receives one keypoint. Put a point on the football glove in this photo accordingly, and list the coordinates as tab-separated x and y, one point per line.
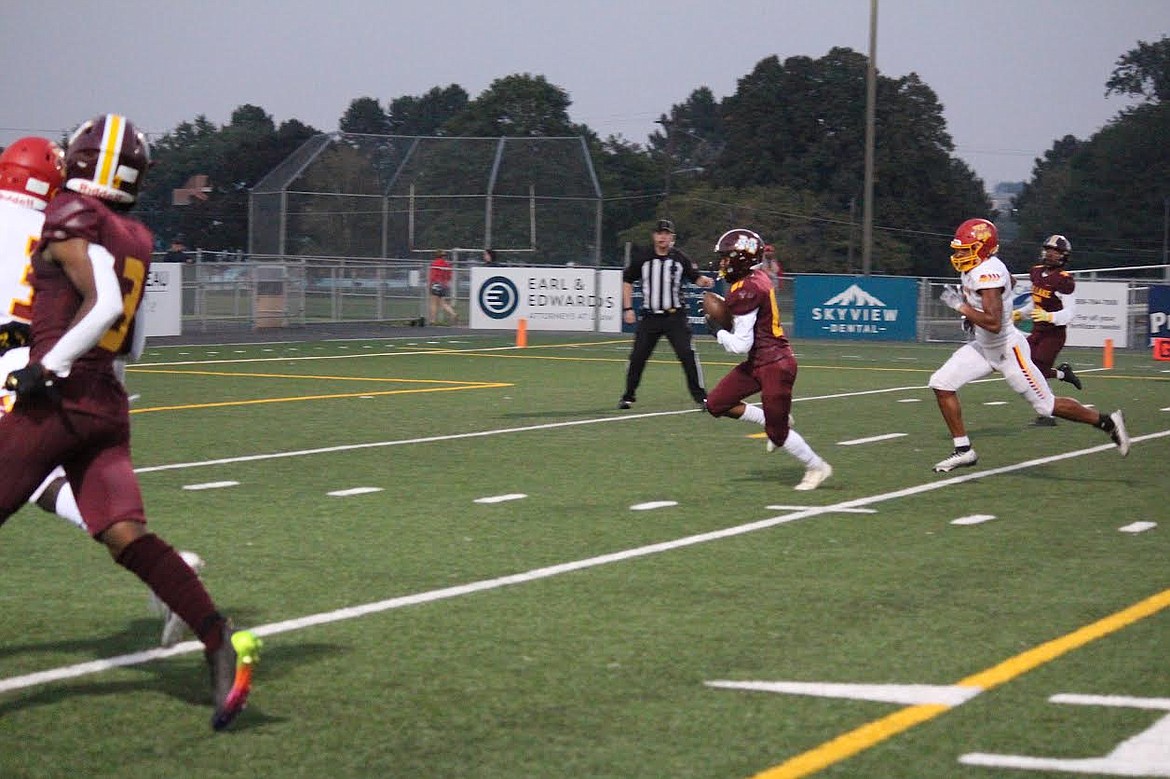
13	335
1016	315
951	297
31	381
713	326
1040	315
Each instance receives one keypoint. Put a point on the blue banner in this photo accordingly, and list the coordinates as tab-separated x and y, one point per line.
1159	310
859	308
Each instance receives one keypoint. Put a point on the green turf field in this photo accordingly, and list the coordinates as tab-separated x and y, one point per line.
565	630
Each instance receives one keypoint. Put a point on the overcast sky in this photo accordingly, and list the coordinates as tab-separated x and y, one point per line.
1012	75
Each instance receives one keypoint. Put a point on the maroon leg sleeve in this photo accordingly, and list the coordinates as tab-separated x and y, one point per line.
155	562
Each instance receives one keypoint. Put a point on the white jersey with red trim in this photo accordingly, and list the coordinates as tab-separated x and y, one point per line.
20	229
990	274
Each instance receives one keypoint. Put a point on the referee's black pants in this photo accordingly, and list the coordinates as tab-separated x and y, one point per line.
677	330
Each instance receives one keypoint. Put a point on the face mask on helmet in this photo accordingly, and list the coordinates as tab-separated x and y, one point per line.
1055	251
738	250
975	240
31	172
107	158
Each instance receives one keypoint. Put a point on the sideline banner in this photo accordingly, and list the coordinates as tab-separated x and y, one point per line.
860	308
1159	311
162	303
1102	312
549	298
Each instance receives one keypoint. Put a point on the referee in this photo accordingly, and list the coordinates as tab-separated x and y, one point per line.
661	272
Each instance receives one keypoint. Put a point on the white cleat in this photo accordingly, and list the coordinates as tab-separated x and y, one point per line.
814	476
1120	435
174	628
957	460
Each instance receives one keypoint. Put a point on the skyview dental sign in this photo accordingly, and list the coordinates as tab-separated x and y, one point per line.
859	308
549	298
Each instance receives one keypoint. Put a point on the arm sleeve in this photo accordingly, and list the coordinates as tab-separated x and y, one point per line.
740	338
86	332
1066	314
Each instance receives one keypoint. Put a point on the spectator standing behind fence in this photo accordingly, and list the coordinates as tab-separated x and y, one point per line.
661	271
1052	306
177	252
489	258
772	266
439	279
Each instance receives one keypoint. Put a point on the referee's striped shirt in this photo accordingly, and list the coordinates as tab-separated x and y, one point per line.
662	279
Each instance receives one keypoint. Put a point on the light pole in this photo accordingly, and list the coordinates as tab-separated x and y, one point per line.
666	123
870	99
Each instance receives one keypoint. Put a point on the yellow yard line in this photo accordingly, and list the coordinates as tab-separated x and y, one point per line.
310	376
294	399
872	733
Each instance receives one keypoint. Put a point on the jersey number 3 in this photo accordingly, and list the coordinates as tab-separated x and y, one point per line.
133	272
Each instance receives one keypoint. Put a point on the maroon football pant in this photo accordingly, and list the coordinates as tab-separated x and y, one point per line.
94	450
1046	343
774	382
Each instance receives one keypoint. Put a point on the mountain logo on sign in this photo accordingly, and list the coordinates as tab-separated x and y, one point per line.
854	311
853	296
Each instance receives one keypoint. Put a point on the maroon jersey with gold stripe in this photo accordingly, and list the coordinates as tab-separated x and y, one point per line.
56	301
755	292
1046	282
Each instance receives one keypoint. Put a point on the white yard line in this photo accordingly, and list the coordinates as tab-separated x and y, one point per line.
536	574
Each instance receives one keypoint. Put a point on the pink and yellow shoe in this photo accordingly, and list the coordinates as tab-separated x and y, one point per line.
231	674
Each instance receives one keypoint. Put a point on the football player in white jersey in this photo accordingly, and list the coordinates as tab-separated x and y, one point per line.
31	171
998	346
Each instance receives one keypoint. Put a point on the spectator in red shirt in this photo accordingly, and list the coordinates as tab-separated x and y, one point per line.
439	279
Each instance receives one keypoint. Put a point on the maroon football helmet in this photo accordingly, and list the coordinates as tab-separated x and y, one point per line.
1060	247
107	158
31	172
739	250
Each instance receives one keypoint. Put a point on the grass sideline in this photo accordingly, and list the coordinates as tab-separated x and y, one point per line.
564	634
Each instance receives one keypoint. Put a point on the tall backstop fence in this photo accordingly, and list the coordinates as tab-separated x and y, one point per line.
380	197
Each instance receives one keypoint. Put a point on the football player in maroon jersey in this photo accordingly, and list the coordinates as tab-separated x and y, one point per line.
770	368
71	409
1052	308
32	170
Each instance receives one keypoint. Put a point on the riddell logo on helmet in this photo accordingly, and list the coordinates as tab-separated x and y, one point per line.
101	191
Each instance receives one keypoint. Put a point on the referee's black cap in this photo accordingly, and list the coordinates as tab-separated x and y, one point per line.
664	226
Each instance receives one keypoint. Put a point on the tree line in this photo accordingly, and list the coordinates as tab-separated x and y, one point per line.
783	154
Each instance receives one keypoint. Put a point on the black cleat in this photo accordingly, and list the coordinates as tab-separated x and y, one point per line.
1069	376
626	401
1044	422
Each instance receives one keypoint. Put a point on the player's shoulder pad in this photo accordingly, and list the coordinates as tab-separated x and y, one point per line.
70	215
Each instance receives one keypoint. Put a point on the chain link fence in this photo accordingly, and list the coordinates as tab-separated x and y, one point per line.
533	200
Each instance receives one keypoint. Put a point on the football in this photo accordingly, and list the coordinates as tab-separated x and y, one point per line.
715	309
